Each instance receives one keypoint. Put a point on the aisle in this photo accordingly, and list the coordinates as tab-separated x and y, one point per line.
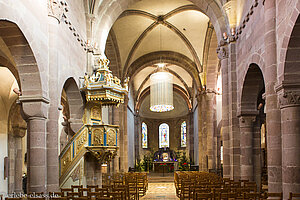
161	191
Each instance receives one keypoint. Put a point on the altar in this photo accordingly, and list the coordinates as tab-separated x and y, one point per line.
165	161
165	167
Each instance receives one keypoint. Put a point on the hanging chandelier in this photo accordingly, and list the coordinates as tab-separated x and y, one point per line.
161	90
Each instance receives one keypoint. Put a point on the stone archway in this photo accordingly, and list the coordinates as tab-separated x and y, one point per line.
168	57
75	104
22	62
23	57
250	122
289	99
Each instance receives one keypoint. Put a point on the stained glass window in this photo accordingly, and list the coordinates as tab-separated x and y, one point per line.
144	135
183	134
163	135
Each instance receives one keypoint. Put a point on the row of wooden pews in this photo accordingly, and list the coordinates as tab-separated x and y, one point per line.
204	185
125	186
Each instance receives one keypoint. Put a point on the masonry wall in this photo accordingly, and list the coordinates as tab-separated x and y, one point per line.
153	134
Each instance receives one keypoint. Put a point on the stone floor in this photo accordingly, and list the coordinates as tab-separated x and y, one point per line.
160	191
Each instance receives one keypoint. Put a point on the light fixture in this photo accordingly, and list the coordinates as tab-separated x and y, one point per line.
161	90
161	87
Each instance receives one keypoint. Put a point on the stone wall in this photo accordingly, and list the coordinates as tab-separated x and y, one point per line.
153	134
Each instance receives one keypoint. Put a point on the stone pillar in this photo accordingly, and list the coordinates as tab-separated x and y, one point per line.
257	162
137	137
190	140
116	163
36	152
210	100
120	118
234	134
35	113
116	159
52	123
201	134
246	143
19	132
89	163
290	122
272	110
223	56
98	174
12	157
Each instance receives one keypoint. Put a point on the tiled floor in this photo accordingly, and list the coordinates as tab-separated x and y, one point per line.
160	191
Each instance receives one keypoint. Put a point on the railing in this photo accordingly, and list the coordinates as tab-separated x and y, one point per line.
89	136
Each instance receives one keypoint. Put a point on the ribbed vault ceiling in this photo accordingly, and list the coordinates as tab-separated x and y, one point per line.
154	26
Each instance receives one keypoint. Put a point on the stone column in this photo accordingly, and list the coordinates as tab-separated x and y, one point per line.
11	156
120	118
290	122
223	56
137	137
98	174
210	98
19	133
201	134
234	134
89	169
35	113
190	137
246	143
257	164
116	163
272	110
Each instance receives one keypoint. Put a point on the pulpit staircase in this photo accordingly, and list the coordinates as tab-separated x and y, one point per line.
98	140
94	138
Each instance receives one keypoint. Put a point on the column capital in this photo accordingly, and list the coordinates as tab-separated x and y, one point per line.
223	52
289	99
34	107
288	94
247	120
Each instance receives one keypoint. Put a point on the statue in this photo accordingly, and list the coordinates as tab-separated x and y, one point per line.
86	79
126	82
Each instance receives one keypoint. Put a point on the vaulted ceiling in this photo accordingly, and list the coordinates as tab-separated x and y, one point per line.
169	31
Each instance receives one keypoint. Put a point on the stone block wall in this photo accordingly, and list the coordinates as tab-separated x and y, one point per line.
153	134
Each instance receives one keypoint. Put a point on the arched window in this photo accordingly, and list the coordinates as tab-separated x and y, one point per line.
163	135
183	134
144	135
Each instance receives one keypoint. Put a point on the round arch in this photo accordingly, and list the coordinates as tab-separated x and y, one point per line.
253	84
168	57
176	89
26	63
75	103
286	38
291	69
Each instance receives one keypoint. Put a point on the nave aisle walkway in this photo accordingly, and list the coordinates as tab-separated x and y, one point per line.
161	191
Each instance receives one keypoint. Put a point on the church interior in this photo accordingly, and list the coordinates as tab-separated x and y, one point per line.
150	99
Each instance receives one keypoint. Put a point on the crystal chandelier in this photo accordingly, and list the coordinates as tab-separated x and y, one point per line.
161	90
